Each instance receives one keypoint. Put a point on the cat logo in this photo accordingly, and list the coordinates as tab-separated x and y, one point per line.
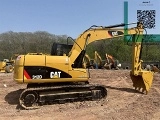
115	33
55	74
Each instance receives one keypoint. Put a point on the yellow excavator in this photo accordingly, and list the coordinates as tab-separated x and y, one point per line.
99	63
111	63
59	79
96	63
88	62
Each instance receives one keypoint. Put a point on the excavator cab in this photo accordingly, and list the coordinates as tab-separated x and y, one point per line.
60	49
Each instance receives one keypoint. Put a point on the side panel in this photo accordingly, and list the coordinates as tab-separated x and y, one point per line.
46	69
43	69
35	60
42	72
38	61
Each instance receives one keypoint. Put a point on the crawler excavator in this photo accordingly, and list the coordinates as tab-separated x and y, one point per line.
59	79
99	63
111	63
88	62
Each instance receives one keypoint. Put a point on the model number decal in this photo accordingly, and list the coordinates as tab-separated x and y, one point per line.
36	76
55	74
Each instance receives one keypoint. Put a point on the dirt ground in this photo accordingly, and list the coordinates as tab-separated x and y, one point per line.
122	102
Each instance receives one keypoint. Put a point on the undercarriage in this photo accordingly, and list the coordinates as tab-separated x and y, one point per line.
41	94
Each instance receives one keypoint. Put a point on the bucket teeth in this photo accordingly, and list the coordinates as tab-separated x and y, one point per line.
142	90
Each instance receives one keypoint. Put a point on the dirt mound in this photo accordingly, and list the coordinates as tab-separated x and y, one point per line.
122	102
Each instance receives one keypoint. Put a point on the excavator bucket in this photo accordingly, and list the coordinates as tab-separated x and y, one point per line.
143	81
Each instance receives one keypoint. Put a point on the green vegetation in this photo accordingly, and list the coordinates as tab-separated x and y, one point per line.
25	42
41	41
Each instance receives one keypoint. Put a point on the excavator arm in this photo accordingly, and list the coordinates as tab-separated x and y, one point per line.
142	79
